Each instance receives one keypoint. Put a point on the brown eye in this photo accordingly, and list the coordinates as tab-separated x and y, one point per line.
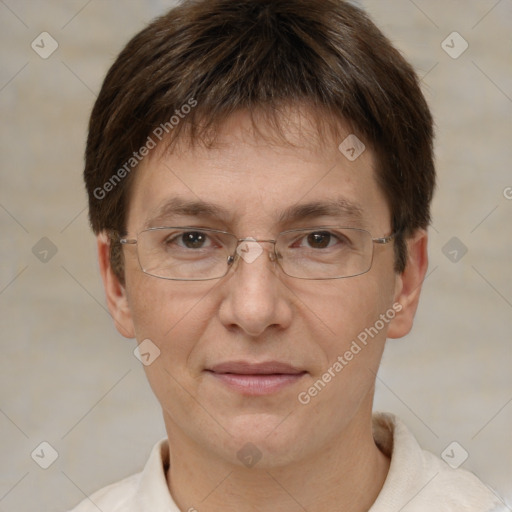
319	239
193	239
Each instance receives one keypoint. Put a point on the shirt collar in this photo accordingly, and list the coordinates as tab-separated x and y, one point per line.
411	473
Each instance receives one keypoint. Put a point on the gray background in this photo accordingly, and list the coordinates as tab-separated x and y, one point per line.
69	379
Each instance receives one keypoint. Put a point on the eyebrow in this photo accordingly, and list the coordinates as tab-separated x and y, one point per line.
186	208
339	208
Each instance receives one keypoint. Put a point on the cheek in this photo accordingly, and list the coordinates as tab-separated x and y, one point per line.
352	339
344	308
169	313
350	333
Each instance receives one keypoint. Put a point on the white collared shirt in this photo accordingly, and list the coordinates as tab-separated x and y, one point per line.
417	481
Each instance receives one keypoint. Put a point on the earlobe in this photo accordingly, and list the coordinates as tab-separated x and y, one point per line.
115	292
409	283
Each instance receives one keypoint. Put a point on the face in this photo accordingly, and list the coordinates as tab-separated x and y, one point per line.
256	320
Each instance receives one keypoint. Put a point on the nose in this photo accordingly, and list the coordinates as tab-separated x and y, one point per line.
255	298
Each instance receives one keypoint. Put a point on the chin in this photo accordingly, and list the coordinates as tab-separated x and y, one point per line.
265	437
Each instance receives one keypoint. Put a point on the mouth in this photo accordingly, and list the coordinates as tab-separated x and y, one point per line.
256	379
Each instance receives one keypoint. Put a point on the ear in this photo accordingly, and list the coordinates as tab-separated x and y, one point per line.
115	292
409	283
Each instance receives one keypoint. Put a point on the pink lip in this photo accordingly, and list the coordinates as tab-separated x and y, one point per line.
256	378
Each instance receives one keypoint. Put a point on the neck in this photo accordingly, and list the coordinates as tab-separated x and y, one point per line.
349	469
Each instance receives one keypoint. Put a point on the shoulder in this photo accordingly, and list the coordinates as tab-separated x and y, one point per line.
418	481
146	490
457	489
112	498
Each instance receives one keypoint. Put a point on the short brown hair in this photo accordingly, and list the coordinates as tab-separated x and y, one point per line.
228	56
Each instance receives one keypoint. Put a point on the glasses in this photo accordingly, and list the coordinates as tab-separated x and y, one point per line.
197	254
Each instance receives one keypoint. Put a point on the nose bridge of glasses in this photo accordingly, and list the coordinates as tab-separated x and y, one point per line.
249	249
256	240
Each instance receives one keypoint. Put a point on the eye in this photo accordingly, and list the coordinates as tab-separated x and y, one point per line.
320	239
323	239
190	240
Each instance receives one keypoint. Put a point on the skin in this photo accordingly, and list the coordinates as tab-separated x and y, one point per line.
314	456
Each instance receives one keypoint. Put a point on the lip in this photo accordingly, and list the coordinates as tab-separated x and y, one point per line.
256	379
248	368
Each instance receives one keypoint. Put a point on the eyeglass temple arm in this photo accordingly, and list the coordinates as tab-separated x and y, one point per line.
385	239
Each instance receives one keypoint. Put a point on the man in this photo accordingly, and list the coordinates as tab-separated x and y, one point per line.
260	176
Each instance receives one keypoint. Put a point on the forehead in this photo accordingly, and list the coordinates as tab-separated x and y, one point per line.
252	172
